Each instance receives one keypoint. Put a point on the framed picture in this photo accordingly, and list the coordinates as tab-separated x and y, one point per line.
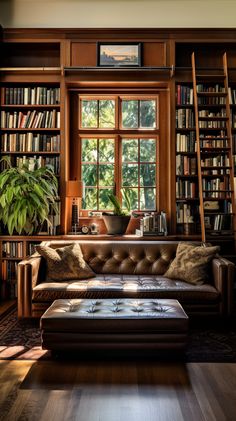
119	54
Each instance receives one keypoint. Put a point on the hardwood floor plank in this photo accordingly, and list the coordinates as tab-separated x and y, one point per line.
116	391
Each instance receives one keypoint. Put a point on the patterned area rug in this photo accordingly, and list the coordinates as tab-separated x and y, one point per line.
20	339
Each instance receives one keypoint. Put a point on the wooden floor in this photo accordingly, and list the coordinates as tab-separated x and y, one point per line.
117	391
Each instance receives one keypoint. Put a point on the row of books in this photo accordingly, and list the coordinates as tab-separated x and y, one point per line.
185	118
213	142
40	95
184	95
186	213
8	283
216	188
233	120
12	249
186	189
30	142
32	119
216	161
219	222
216	184
36	161
186	165
208	113
201	87
212	124
223	206
186	142
218	171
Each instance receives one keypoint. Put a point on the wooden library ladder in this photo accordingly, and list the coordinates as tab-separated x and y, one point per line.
214	150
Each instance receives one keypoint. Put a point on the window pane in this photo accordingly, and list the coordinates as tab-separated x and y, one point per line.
129	150
89	113
89	150
147	199
107	113
130	114
147	150
106	175
106	150
133	195
89	174
147	113
148	174
90	199
130	175
104	202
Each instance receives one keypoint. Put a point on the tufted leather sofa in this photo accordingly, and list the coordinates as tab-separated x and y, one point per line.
125	269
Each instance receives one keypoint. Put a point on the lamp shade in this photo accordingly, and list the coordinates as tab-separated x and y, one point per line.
74	188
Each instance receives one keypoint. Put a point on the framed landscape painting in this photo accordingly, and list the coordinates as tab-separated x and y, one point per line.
119	54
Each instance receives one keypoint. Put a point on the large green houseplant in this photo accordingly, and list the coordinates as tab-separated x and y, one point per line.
26	197
118	221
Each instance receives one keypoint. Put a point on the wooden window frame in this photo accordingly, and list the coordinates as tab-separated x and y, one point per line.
118	133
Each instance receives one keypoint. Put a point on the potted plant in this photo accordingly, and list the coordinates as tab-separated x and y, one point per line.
26	197
117	221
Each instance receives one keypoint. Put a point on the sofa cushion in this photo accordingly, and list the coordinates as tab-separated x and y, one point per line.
65	263
118	286
191	263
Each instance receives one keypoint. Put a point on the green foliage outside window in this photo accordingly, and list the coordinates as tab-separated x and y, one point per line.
98	113
138	155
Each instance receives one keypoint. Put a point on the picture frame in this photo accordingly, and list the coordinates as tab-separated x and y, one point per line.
119	54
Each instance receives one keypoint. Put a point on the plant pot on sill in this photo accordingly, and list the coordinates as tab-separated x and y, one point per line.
116	224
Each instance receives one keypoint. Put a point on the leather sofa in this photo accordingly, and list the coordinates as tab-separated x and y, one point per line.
125	269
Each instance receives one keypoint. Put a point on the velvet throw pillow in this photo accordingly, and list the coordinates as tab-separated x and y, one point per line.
192	263
65	263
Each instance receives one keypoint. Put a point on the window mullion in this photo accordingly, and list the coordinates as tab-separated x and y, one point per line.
98	101
118	166
98	159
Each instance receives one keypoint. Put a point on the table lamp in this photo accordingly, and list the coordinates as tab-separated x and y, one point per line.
74	189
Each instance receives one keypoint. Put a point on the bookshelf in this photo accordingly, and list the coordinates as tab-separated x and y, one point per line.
214	152
39	69
187	201
30	117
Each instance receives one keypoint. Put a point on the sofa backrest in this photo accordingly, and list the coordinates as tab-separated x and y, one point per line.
125	257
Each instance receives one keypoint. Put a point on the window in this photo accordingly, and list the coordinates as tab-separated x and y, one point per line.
118	148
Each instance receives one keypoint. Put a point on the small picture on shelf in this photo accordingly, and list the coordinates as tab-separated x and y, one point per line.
119	54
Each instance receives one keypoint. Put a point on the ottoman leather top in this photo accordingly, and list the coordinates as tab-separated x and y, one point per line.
115	316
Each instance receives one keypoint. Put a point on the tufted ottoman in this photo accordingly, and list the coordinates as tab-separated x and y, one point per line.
114	324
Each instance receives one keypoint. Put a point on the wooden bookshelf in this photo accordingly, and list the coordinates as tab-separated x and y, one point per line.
66	59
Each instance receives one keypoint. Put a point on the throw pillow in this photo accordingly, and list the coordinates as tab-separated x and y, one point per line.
65	263
191	263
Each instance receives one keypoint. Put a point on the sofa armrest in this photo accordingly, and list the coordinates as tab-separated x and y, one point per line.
28	271
223	274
